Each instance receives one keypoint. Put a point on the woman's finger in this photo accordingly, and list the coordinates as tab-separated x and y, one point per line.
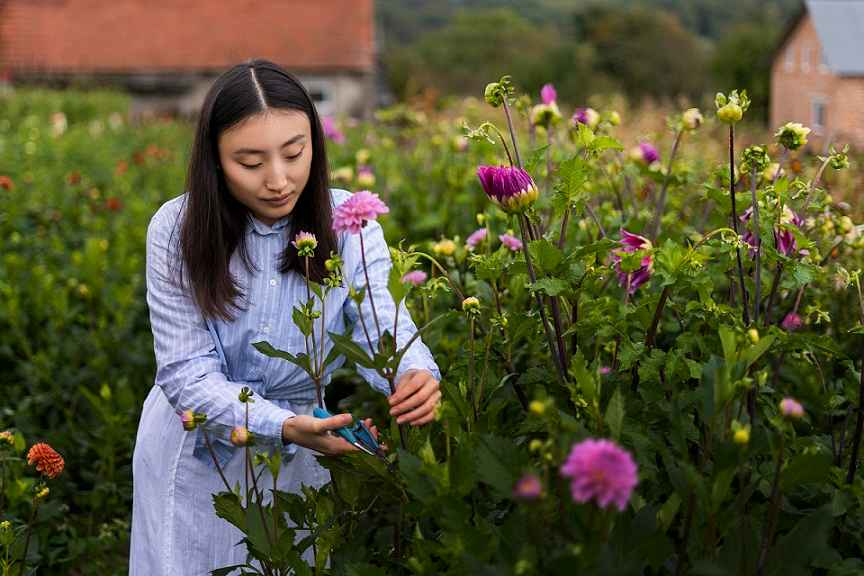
421	411
332	423
418	398
408	384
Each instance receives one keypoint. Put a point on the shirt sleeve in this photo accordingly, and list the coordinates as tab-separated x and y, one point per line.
188	366
379	263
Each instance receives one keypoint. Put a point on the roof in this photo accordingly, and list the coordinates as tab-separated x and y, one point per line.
840	27
121	36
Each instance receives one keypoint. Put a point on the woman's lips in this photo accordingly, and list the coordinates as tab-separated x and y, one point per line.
280	201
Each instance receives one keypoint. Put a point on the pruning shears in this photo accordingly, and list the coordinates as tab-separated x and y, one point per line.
358	434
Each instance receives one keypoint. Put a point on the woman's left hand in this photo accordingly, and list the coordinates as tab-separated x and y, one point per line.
416	397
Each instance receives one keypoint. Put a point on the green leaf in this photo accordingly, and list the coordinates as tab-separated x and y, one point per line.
498	464
228	507
668	511
587	381
551	286
546	257
727	339
615	414
351	350
398	289
303	322
806	469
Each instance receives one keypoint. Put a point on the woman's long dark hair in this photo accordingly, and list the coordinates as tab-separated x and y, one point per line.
214	223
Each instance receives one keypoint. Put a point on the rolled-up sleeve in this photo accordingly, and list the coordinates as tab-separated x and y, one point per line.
188	366
379	264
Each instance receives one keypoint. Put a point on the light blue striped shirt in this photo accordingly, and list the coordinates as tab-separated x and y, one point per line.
201	364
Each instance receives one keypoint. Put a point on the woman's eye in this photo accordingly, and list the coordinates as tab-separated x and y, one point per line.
295	156
247	166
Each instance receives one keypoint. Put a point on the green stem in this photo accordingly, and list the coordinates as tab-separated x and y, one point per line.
744	300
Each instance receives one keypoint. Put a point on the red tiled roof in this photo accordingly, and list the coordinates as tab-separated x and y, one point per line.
120	36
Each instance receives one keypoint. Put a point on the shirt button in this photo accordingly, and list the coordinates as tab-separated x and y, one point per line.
265	329
272	282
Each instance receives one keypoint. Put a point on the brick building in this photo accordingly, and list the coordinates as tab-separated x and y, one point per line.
817	76
166	53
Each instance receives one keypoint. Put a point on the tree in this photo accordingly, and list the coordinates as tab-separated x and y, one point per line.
647	52
743	60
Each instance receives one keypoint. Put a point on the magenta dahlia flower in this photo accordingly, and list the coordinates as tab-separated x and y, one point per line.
476	238
602	471
548	95
331	131
511	242
645	153
414	277
791	322
630	243
791	408
352	214
587	116
784	239
511	188
527	488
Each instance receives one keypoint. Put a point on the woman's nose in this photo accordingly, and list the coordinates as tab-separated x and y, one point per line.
276	179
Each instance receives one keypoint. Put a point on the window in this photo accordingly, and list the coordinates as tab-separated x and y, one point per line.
805	59
321	91
823	62
789	64
818	114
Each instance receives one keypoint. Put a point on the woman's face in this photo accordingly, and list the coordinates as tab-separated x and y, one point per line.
266	160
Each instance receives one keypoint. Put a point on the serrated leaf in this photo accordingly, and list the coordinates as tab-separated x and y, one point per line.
615	414
551	286
351	350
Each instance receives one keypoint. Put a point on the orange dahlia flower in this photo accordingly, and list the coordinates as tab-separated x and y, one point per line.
46	459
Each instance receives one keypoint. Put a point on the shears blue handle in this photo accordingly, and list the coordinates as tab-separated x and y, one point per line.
358	434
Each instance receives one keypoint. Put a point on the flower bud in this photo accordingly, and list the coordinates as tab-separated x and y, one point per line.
614	118
445	247
536	445
537	407
691	119
792	135
730	113
241	436
188	420
305	243
471	305
753	333
528	488
494	94
741	435
43	493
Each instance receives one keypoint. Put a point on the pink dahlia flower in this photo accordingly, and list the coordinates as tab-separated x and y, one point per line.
791	408
414	277
352	214
528	488
476	238
631	243
511	188
602	471
784	239
645	153
791	322
331	132
305	243
548	95
511	242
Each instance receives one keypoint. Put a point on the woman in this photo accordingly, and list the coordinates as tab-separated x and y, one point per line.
221	275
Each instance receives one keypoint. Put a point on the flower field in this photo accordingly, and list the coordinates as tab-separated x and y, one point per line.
652	360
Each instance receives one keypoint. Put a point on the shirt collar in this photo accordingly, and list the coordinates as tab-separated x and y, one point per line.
256	226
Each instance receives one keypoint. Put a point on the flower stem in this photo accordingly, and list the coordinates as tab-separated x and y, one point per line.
859	424
473	391
512	132
29	533
661	203
556	358
774	506
655	321
757	279
369	287
775	284
744	300
215	460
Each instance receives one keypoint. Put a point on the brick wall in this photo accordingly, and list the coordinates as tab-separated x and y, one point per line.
801	83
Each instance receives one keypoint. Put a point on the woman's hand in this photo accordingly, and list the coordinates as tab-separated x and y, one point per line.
416	397
314	433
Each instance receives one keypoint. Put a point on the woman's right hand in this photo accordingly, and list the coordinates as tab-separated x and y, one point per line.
313	433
